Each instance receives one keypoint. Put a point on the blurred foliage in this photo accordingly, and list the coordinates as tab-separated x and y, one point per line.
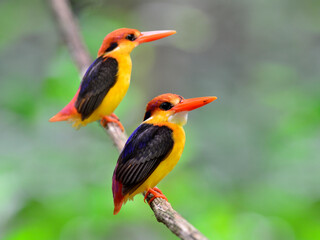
250	169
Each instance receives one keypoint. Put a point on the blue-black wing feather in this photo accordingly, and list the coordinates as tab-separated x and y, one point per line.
96	83
146	148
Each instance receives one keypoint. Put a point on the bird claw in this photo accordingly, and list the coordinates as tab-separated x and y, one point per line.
111	118
156	192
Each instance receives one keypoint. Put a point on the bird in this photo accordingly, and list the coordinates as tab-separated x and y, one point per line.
107	80
154	148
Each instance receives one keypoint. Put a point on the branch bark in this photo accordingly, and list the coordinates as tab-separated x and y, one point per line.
162	209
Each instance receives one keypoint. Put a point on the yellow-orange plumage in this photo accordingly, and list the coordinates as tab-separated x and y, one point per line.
154	148
108	78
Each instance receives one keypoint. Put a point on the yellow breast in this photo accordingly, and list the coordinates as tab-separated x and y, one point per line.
167	164
117	92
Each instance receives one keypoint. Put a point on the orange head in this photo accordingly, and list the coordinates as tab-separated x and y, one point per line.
126	39
173	108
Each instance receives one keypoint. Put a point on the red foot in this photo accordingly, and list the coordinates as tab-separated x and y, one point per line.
156	192
111	118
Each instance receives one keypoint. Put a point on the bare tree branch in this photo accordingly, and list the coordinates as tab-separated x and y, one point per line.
71	34
162	209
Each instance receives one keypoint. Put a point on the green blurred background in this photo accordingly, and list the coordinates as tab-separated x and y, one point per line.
250	169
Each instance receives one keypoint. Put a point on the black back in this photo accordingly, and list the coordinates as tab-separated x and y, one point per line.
96	83
145	149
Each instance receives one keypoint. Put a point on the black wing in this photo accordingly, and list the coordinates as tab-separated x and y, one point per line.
95	85
147	146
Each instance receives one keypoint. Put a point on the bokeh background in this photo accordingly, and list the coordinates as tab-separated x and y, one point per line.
250	169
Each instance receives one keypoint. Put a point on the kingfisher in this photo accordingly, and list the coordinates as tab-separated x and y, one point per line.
107	80
154	148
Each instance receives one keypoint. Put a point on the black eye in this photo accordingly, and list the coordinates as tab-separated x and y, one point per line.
131	37
166	106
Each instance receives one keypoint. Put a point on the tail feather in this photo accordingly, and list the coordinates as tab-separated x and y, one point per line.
118	198
59	117
68	112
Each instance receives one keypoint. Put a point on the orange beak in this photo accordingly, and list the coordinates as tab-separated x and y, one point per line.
153	35
192	103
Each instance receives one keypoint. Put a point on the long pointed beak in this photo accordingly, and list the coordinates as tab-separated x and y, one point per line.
192	103
153	35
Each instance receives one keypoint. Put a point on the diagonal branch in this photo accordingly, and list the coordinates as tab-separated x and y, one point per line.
69	29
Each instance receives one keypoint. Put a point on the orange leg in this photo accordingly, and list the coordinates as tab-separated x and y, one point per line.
156	192
111	118
114	116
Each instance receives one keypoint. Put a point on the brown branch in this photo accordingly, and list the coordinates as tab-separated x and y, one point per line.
165	214
70	32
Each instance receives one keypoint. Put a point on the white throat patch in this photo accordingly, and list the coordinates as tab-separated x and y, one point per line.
180	118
